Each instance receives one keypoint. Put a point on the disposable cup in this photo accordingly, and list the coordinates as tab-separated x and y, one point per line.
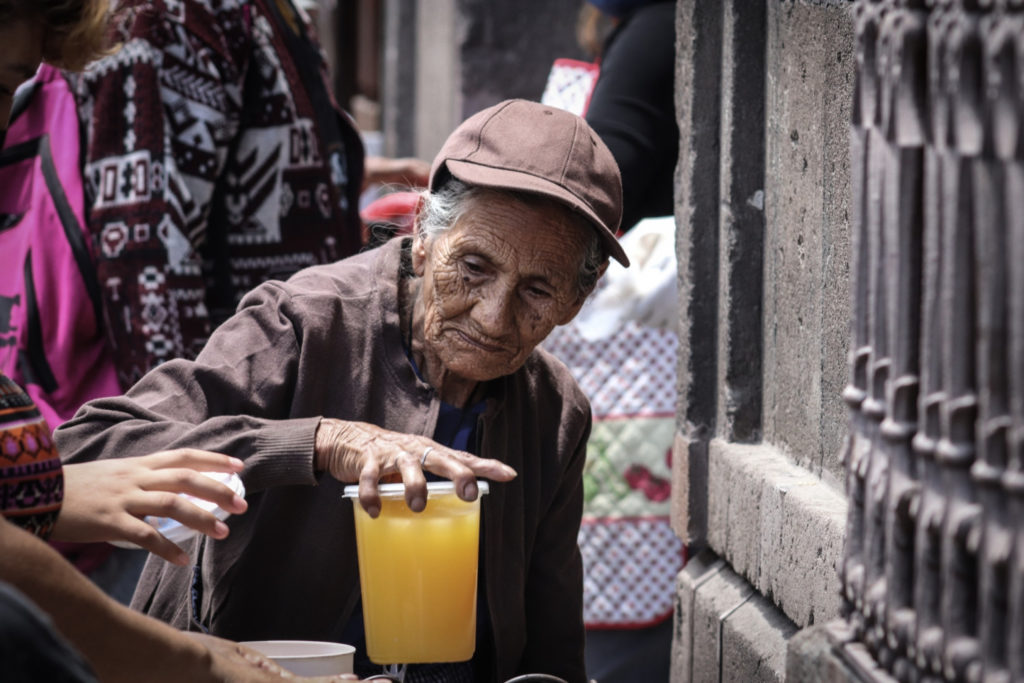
418	574
307	657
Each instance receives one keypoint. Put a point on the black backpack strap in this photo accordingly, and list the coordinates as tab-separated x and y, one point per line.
22	97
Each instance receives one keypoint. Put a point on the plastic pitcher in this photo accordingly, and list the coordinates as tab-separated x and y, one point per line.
418	574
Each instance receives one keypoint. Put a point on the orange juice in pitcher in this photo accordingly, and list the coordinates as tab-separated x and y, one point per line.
418	574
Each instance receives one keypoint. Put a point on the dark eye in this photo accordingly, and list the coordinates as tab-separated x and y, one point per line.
539	292
473	266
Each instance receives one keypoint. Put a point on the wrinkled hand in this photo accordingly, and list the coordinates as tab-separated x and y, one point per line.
363	452
106	500
233	662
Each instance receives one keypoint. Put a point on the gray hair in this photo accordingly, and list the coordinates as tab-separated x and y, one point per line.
442	209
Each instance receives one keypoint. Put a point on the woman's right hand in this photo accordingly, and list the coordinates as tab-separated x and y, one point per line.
106	500
363	452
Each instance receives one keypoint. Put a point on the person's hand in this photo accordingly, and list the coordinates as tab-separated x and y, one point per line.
233	662
358	451
106	500
401	171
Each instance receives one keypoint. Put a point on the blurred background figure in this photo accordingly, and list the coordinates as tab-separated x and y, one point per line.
622	346
632	106
215	158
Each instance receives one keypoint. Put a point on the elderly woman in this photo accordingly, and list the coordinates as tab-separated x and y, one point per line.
416	357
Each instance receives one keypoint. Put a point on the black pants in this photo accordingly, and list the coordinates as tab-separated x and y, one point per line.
630	655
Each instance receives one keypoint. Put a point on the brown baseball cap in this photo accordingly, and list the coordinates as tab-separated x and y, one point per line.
530	147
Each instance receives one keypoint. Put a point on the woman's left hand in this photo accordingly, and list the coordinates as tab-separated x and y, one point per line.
363	452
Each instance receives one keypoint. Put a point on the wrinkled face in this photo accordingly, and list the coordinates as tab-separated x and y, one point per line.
22	51
497	283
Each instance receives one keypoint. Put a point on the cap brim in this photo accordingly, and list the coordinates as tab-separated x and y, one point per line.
505	179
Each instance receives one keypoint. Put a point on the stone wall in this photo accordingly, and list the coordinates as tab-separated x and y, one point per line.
763	96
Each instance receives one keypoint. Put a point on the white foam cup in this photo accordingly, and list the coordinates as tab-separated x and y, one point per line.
307	657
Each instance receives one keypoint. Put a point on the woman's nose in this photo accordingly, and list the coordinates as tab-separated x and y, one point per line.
494	312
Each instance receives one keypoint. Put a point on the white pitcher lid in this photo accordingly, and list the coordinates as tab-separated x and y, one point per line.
434	488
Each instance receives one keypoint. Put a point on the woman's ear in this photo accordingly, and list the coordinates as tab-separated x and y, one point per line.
419	242
575	308
419	254
572	311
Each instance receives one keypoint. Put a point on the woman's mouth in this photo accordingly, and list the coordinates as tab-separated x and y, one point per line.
477	343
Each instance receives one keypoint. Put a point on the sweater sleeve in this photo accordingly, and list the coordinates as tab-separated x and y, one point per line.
554	594
159	116
236	398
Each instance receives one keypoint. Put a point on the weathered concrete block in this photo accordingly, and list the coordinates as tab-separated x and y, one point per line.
689	489
699	569
725	631
704	599
810	659
808	57
779	526
754	641
741	222
735	505
805	582
827	653
698	81
836	196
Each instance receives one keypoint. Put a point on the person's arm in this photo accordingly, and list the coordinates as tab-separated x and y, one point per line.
235	398
120	645
632	109
157	129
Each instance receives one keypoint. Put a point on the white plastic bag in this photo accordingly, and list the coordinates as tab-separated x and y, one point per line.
644	293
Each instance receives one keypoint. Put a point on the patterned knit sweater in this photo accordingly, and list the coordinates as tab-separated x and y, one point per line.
215	159
31	479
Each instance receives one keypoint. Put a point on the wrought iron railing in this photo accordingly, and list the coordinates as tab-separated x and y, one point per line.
933	569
